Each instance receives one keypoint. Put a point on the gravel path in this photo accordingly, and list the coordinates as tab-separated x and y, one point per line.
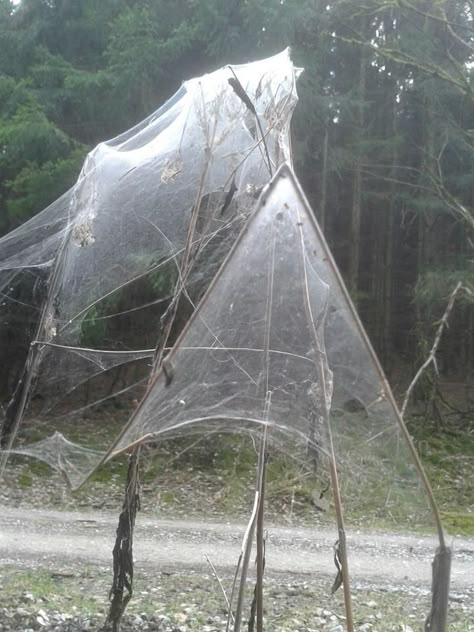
176	592
69	537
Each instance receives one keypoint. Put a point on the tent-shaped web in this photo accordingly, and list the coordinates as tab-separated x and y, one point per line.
276	341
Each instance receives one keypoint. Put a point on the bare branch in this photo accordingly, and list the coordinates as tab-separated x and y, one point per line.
399	57
431	359
432	16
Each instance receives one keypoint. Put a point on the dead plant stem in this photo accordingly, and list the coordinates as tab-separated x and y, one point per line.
244	560
321	367
123	549
260	531
341	533
256	519
387	394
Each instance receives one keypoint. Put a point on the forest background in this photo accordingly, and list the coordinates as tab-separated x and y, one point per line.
383	140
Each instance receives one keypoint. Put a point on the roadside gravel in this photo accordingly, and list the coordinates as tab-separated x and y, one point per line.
55	575
55	560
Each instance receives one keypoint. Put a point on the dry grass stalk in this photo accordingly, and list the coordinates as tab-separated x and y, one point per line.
214	572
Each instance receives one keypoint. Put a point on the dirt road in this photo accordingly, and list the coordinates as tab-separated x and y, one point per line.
58	539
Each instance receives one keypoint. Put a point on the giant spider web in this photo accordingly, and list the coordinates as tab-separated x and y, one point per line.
180	272
90	281
275	340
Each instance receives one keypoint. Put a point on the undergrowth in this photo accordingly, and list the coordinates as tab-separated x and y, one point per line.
448	457
214	477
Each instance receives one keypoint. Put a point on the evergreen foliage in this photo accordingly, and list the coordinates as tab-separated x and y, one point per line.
383	135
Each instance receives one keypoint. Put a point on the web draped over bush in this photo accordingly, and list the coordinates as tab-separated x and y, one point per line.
90	278
275	340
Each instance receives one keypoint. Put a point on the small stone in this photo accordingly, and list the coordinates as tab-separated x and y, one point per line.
42	620
28	597
181	617
371	604
22	612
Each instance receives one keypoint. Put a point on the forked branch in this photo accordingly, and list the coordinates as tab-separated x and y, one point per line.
431	359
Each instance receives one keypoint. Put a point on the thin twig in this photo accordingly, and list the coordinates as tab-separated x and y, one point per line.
431	359
230	619
214	572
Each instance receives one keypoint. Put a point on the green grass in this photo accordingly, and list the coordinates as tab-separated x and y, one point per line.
40	588
25	478
113	469
369	500
223	467
31	469
458	522
448	456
